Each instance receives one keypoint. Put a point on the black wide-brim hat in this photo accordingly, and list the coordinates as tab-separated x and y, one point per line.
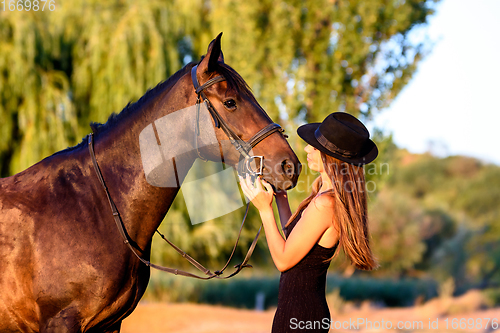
342	136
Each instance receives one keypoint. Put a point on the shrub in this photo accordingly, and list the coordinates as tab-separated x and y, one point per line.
241	292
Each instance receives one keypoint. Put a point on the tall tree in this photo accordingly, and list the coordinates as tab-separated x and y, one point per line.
303	59
87	59
310	58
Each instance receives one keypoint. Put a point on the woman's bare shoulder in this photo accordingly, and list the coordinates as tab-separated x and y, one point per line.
319	210
321	207
323	201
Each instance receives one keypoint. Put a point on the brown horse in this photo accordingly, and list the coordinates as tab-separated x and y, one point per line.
63	264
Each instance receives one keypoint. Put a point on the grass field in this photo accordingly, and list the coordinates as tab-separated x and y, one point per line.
451	315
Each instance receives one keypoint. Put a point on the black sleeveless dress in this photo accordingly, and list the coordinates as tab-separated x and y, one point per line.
302	304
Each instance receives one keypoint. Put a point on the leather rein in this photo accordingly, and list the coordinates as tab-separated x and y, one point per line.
243	148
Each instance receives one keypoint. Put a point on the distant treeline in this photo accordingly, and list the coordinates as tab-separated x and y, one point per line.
440	218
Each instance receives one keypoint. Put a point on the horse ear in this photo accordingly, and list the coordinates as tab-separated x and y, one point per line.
214	55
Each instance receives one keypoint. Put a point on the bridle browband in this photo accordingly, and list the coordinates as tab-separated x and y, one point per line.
241	146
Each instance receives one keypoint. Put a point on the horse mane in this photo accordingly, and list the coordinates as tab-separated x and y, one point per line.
150	94
234	82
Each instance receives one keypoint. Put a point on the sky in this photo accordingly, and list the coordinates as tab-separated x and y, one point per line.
452	104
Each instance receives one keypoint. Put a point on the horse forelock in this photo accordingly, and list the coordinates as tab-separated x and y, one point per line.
234	81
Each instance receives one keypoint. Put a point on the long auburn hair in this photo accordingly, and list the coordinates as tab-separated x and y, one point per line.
350	210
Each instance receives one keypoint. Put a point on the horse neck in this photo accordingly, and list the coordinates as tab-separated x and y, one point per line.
141	205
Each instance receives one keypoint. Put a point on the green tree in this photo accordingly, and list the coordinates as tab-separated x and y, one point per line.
395	232
303	59
37	113
479	200
87	59
311	58
453	201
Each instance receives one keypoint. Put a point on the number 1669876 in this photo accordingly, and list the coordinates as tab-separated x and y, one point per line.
27	5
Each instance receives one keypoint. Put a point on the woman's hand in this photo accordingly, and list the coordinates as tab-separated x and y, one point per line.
261	198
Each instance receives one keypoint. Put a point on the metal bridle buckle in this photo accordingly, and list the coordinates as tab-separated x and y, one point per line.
249	160
245	167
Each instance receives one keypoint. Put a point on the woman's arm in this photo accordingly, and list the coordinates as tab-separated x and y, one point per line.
315	220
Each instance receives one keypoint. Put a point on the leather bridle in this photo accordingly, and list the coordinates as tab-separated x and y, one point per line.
244	148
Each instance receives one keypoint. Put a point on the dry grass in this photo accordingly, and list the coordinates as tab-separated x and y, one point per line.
472	301
194	318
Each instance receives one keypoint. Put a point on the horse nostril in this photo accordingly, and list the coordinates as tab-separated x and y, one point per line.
288	168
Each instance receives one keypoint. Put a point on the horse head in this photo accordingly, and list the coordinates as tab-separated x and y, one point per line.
246	136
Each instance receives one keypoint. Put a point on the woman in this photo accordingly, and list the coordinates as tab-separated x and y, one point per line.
333	216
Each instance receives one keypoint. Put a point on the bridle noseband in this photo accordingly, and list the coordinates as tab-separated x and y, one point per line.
243	147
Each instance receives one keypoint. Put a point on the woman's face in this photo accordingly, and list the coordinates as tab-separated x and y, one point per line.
314	159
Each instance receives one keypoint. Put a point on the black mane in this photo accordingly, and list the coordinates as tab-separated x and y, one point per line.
150	94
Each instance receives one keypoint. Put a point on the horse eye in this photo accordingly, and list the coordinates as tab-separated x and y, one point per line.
230	104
